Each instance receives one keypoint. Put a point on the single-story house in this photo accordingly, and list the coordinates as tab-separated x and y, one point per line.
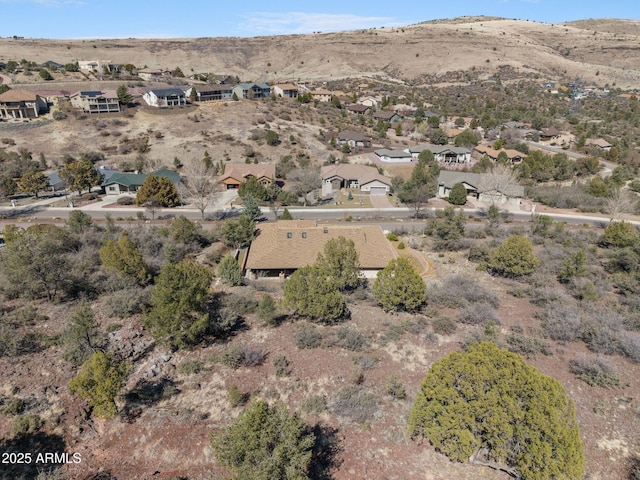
131	182
285	90
345	175
353	139
358	109
370	101
252	90
281	248
480	186
321	95
549	133
206	93
601	143
165	97
514	156
97	66
52	64
393	156
55	182
95	101
21	104
237	173
150	74
442	153
387	116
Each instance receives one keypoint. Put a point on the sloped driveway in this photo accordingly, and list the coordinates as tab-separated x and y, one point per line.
380	201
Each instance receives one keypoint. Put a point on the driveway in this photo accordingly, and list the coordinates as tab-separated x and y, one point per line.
380	201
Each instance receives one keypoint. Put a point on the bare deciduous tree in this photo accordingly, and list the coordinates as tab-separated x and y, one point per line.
619	201
501	179
198	185
303	181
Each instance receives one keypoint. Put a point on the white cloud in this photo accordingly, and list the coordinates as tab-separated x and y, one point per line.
267	23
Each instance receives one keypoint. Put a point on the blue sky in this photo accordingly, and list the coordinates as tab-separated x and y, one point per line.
211	18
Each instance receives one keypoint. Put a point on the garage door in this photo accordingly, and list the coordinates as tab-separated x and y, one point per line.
378	191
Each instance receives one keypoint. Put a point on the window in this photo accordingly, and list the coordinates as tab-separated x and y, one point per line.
289	235
326	230
304	234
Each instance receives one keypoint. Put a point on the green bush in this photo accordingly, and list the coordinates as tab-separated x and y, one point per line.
514	257
26	425
399	287
444	325
229	271
392	237
237	398
401	246
265	442
314	404
350	339
99	381
458	194
395	388
190	367
281	364
489	400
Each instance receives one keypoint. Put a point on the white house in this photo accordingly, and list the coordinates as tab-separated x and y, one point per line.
345	175
165	97
393	156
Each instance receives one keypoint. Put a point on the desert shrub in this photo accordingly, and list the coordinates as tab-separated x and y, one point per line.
265	442
314	404
489	399
630	345
281	364
364	362
526	346
59	115
561	321
469	290
619	234
307	336
444	325
623	260
355	404
237	397
350	339
595	373
26	425
190	367
12	406
392	237
401	246
127	302
599	331
477	314
395	388
81	338
242	356
125	201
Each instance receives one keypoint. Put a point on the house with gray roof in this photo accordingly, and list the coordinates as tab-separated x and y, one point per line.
207	93
485	187
346	175
165	97
353	139
119	183
252	90
393	156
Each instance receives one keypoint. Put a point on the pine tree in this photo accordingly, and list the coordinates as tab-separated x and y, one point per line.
399	287
124	257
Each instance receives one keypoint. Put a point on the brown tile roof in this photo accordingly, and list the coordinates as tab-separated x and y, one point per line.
357	108
353	135
320	92
384	114
18	96
492	153
363	173
272	249
286	86
598	142
240	171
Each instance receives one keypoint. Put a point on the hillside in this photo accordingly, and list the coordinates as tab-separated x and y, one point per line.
602	51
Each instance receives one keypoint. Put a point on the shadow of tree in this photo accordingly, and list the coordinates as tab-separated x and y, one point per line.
145	394
326	450
34	444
